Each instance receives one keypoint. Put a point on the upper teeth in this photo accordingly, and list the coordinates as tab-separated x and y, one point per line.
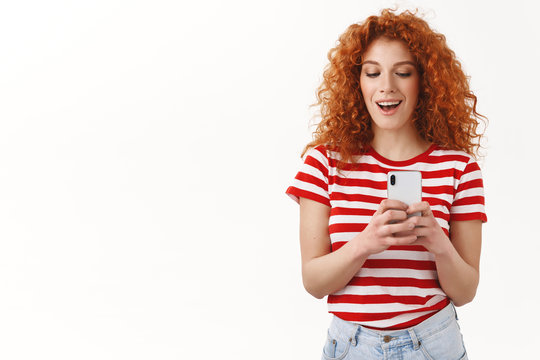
388	103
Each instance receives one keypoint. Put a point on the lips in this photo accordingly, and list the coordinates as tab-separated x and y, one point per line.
388	107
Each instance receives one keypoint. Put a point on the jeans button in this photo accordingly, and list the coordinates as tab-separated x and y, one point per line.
387	339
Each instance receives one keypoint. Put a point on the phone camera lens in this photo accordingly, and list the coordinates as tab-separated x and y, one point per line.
392	180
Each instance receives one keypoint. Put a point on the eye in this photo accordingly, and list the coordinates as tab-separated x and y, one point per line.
403	74
372	75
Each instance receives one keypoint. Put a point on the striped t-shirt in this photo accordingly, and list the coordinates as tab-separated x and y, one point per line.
398	287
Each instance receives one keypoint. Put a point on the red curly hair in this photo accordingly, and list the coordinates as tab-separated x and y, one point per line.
446	110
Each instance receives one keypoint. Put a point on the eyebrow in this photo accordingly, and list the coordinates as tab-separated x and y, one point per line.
406	62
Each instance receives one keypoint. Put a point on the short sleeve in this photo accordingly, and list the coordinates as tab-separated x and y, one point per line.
469	202
311	182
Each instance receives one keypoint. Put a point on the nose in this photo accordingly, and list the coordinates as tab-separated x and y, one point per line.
387	84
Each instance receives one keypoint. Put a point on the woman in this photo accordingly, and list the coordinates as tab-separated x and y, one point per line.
393	97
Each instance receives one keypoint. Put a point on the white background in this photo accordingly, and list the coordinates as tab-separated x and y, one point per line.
145	148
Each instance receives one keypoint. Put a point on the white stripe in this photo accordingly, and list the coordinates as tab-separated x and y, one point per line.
420	166
313	171
435	153
398	273
395	320
350	219
441	208
391	290
473	175
403	254
314	153
443	223
352	190
302	185
343	236
369	159
477	191
354	204
358	190
450	152
464	209
380	308
441	181
360	175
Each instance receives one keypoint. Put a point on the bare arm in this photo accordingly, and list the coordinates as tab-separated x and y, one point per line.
457	258
325	272
458	266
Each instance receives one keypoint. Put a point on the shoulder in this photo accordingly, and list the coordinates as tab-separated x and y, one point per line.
458	159
317	151
325	154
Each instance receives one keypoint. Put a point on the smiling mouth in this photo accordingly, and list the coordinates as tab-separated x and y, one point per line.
388	105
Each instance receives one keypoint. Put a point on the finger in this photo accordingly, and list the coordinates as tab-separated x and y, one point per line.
427	212
387	204
392	216
404	233
423	207
419	221
400	227
401	240
416	207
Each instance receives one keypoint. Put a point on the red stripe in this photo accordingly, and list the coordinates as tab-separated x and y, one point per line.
336	245
374	168
378	299
469	216
346	227
312	180
473	166
322	149
357	197
476	183
439	306
399	264
363	317
383	168
351	211
370	212
337	180
439	174
470	200
310	160
438	190
407	248
436	201
308	195
441	215
433	159
394	281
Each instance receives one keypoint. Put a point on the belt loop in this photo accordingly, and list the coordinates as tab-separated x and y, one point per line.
416	342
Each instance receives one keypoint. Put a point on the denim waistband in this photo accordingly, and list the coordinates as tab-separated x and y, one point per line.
349	331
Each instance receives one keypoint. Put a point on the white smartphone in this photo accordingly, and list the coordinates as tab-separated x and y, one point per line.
405	186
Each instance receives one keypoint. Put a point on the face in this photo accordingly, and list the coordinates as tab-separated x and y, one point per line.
389	82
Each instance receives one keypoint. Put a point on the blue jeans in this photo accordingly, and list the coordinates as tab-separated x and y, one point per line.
436	338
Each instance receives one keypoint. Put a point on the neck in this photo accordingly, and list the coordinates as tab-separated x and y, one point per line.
399	146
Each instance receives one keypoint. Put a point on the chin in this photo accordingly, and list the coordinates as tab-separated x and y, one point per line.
389	126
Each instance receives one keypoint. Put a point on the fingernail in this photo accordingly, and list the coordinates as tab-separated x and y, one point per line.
411	226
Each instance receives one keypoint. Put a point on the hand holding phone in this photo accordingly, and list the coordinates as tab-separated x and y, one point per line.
405	186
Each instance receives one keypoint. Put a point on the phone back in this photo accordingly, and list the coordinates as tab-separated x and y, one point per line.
405	186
